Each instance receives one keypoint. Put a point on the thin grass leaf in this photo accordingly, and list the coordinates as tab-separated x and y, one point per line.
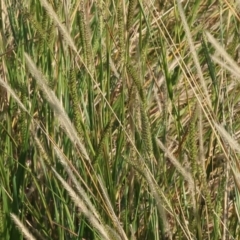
60	26
111	211
232	143
83	194
178	166
220	50
100	227
194	53
16	98
57	107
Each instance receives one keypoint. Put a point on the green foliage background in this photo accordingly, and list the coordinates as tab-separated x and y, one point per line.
119	119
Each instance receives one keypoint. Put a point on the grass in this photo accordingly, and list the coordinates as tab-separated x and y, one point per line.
119	120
